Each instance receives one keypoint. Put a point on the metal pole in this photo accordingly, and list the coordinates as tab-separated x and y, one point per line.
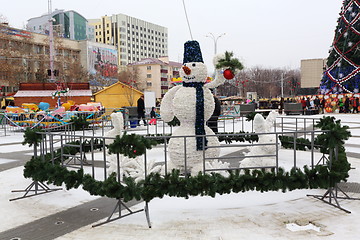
215	39
282	85
51	41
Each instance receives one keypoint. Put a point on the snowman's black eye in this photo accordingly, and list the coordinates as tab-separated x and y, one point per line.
193	64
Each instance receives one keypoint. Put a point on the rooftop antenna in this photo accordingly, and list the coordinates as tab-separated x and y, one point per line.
187	19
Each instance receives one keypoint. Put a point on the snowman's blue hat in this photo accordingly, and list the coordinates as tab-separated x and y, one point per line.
192	52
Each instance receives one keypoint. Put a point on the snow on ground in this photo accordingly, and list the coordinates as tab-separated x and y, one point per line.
249	215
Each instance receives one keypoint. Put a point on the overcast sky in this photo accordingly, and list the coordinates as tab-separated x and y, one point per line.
267	33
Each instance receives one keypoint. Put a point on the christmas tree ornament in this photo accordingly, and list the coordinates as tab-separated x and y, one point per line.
231	65
228	74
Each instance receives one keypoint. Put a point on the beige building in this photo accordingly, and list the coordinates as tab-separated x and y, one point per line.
24	57
157	73
135	39
311	72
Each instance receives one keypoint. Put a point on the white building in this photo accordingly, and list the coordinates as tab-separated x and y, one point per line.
135	39
66	24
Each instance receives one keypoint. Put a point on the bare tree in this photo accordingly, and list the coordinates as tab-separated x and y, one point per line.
3	19
267	82
15	56
75	72
130	77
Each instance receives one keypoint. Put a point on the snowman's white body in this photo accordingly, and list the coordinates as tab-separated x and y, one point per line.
180	101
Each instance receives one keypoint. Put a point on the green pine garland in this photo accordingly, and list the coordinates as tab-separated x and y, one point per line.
131	145
32	137
79	122
174	184
229	62
227	138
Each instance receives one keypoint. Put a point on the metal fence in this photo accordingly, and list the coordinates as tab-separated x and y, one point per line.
233	153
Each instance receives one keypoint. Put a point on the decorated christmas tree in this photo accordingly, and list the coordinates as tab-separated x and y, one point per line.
343	64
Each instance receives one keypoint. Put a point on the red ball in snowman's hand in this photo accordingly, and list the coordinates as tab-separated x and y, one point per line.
228	74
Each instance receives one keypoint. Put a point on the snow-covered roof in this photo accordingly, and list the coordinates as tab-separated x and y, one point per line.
148	61
49	93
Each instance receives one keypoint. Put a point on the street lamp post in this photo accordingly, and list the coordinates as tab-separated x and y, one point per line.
215	38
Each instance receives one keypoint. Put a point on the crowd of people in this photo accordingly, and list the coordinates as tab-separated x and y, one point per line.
345	105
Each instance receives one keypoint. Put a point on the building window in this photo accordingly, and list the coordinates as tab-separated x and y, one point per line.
148	67
148	84
148	75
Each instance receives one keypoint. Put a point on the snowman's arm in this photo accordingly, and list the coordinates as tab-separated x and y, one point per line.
166	107
219	79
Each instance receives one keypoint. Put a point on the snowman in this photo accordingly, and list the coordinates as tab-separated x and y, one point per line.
193	104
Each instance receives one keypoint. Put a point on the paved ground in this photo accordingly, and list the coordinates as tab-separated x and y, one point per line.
59	224
74	218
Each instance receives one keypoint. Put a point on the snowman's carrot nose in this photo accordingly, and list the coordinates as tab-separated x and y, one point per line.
186	70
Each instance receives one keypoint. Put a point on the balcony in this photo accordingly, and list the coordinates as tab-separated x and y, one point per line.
163	71
163	79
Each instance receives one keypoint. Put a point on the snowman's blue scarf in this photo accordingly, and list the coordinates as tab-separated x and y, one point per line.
199	120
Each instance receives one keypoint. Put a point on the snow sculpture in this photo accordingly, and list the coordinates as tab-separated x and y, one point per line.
193	104
118	126
262	126
130	167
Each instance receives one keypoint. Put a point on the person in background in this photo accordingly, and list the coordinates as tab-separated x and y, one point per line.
347	105
153	116
141	110
317	103
308	104
281	108
303	104
355	105
341	105
323	101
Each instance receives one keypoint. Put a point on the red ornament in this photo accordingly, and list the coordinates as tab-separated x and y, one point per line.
228	74
134	151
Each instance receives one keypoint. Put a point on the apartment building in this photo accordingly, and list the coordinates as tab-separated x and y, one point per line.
135	39
157	72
